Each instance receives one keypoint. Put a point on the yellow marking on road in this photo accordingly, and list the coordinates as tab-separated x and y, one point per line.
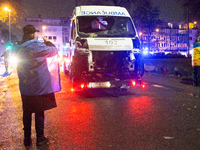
158	85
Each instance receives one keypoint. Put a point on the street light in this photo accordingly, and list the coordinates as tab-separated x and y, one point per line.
157	30
195	24
170	25
6	9
140	34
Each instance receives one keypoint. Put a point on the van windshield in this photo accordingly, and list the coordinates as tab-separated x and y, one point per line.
105	26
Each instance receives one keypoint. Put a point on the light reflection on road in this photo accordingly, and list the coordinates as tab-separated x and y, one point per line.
140	108
79	118
102	121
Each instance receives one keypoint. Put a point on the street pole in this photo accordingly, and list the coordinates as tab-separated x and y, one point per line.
6	9
9	29
170	39
188	44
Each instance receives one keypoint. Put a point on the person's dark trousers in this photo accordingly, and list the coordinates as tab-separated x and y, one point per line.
39	124
27	117
196	75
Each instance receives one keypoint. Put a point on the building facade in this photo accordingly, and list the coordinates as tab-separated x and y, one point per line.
56	30
170	38
167	38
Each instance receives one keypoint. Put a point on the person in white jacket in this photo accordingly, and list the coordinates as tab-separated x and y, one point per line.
35	85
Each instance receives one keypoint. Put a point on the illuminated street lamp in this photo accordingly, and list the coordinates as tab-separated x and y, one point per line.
6	9
44	27
157	30
195	24
170	25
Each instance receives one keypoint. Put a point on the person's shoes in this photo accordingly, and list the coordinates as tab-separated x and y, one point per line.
27	142
42	141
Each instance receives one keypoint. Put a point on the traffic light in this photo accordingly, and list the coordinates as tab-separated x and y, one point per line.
9	47
64	46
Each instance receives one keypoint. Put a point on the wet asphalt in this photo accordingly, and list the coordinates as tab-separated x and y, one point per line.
164	116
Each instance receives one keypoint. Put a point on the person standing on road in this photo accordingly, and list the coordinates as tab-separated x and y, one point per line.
196	62
35	84
6	57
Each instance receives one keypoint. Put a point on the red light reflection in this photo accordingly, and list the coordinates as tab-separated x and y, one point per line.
141	109
80	118
143	86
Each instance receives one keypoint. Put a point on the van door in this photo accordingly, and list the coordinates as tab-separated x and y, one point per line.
73	32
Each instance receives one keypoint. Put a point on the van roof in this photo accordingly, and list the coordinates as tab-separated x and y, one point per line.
101	11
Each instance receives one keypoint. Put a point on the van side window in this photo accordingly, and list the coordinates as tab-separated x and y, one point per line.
73	30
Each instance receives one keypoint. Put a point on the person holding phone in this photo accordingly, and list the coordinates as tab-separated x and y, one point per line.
35	85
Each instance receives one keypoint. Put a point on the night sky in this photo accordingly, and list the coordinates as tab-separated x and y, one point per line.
170	10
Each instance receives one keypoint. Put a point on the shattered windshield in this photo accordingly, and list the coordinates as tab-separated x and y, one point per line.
105	26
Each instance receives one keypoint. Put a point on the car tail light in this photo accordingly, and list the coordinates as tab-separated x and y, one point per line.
143	86
133	83
72	89
82	86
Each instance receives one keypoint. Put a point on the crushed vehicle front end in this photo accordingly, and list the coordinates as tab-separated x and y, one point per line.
106	53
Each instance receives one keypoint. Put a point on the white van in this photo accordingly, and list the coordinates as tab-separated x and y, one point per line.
104	48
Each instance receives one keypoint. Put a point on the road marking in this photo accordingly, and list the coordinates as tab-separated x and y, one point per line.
158	85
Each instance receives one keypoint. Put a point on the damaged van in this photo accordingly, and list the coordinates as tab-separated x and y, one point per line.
104	49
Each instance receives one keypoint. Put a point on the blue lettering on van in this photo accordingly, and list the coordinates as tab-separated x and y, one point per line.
121	13
103	13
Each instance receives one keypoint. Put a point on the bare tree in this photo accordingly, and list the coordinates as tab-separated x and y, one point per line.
192	7
146	18
16	12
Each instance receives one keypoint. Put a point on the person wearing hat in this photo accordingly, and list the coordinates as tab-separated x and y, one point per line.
35	85
196	62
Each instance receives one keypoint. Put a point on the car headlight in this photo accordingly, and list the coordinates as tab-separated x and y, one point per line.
13	59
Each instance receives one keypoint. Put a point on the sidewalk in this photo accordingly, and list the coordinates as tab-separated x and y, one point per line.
11	126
